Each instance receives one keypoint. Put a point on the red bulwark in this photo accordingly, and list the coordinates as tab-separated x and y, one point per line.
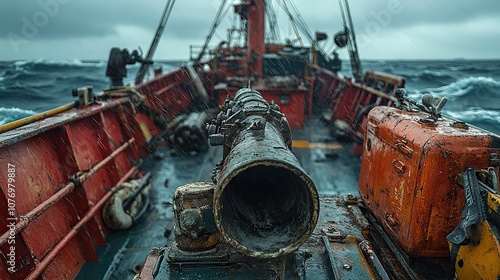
292	101
64	168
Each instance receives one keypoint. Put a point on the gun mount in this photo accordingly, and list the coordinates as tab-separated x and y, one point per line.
265	205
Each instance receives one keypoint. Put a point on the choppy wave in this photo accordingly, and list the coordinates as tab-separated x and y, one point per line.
11	114
82	78
480	117
471	88
471	69
50	65
10	75
477	113
428	75
13	73
475	100
56	62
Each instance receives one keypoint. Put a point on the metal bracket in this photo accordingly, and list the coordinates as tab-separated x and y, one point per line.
474	210
494	160
432	105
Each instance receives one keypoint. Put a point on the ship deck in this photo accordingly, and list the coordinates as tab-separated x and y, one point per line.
331	165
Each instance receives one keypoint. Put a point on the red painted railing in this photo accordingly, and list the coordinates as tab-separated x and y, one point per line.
58	222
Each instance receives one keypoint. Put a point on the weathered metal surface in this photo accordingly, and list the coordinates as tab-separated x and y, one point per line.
63	192
344	233
475	243
170	93
480	258
252	12
188	133
54	252
408	176
33	129
90	146
373	259
151	265
318	258
265	205
383	81
117	133
473	213
195	228
493	202
292	101
350	102
34	118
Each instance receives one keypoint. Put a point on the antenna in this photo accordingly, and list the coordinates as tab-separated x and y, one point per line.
249	84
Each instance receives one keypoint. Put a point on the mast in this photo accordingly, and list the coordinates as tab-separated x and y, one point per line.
152	48
217	20
352	45
254	12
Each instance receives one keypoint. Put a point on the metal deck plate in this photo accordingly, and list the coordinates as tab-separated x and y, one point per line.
332	166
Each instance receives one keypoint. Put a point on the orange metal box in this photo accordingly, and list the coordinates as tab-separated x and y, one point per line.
409	171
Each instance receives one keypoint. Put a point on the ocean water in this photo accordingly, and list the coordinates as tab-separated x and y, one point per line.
472	87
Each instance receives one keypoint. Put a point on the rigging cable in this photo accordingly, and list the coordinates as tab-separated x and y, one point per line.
353	47
305	29
298	21
301	22
154	44
217	20
292	20
275	35
342	13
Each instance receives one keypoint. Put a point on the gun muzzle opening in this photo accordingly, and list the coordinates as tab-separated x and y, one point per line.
266	208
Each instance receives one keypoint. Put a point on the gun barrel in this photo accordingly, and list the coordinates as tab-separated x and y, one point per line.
265	205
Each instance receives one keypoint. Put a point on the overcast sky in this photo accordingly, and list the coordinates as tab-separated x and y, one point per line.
386	29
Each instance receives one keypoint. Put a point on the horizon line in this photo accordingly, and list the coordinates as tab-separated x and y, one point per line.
180	59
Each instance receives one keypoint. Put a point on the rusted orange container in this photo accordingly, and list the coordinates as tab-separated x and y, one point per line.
409	175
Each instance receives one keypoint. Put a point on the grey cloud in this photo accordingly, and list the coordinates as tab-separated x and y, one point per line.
412	12
76	19
100	18
430	12
99	21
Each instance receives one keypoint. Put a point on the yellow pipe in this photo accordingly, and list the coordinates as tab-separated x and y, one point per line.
304	144
34	118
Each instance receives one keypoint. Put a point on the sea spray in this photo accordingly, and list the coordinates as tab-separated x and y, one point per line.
11	114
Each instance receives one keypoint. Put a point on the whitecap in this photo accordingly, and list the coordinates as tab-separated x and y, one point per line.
476	114
11	114
460	87
58	62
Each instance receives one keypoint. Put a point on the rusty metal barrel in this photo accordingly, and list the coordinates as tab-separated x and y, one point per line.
265	205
